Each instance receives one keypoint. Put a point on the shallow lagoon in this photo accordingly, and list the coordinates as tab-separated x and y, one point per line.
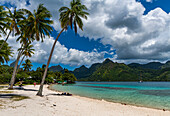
147	94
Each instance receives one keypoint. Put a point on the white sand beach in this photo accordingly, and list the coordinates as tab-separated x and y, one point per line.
54	105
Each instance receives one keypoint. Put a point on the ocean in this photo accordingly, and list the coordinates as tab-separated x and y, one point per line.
146	94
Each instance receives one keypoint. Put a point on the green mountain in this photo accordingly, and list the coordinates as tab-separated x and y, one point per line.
111	71
84	72
81	72
151	65
166	65
94	67
57	68
106	71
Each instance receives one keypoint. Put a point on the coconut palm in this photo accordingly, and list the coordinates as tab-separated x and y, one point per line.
28	51
35	27
3	20
13	21
37	23
27	65
68	17
5	53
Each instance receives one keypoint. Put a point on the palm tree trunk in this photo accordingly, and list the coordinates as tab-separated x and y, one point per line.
20	63
49	59
5	40
14	71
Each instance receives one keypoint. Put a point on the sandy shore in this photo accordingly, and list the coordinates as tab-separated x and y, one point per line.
54	105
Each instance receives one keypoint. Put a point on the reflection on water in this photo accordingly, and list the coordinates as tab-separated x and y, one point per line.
148	94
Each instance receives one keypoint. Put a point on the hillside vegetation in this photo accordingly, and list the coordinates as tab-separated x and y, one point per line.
111	71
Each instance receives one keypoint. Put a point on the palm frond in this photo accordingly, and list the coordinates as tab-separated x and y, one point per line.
72	16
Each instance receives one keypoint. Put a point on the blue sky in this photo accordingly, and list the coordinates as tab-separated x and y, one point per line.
163	4
122	30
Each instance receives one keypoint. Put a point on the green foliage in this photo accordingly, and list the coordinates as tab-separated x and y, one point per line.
5	52
27	65
22	76
14	20
72	16
58	77
110	71
113	72
69	77
3	21
36	76
29	77
36	25
5	78
165	76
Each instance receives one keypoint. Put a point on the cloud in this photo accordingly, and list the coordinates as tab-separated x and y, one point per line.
119	23
148	0
61	54
134	35
64	55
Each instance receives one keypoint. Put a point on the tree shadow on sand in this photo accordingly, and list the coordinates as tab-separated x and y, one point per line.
9	95
21	88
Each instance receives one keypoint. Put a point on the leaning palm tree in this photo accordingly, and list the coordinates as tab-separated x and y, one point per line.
27	65
68	17
13	21
35	27
5	53
28	51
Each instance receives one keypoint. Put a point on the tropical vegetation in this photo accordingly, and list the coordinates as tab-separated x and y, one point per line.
34	27
5	52
27	65
31	76
26	27
112	71
3	22
12	23
68	17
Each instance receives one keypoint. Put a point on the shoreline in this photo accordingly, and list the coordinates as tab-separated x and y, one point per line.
51	105
108	100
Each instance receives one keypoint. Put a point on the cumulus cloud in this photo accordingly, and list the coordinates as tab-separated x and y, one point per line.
119	23
61	54
64	55
134	35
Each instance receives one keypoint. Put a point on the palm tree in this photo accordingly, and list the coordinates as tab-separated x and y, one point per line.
13	21
38	23
28	51
27	65
68	17
5	52
3	20
35	27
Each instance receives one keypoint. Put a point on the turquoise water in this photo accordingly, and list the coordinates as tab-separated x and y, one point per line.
147	94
